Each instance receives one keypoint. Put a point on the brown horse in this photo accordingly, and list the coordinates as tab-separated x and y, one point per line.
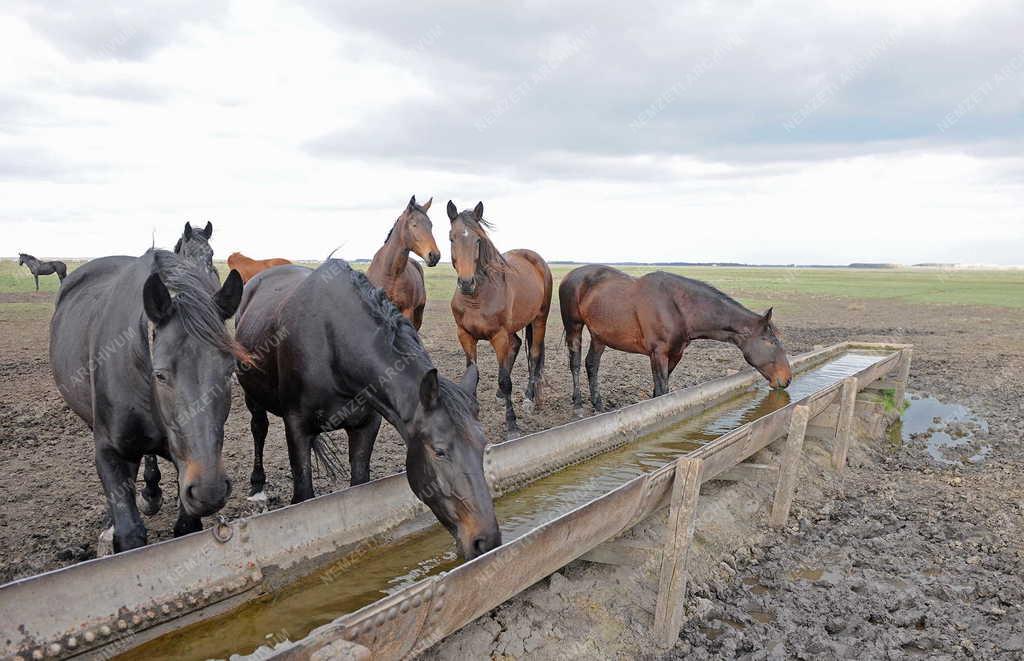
249	267
658	315
393	271
497	295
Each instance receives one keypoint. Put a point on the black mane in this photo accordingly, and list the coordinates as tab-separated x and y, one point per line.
402	335
491	262
193	300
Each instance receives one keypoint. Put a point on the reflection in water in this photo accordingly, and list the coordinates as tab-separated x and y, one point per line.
295	610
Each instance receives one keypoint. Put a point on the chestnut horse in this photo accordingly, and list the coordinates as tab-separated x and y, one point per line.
498	295
249	267
393	271
658	315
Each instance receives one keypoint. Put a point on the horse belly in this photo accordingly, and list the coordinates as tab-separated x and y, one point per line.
612	320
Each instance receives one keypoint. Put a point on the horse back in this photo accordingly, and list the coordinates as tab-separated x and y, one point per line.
530	282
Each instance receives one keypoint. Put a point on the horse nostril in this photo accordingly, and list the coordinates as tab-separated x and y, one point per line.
480	546
190	492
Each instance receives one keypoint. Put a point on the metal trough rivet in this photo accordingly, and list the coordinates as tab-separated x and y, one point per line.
416	600
136	619
89	636
380	619
441	589
72	643
19	658
405	607
37	654
392	613
122	625
191	601
439	604
255	577
55	649
150	615
217	591
179	605
165	609
105	630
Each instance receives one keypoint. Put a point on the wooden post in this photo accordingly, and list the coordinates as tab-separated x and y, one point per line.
681	518
844	426
789	466
902	377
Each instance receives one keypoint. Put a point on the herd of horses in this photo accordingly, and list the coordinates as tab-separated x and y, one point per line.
141	351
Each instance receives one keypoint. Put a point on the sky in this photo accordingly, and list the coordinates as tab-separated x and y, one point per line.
742	131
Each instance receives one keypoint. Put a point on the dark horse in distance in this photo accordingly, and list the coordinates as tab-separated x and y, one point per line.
497	296
658	315
401	278
140	352
38	268
331	352
194	245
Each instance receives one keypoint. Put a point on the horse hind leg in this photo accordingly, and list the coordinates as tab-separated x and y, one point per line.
535	356
36	276
574	343
152	496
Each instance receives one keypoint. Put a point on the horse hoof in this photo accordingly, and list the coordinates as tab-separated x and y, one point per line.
513	434
498	395
105	544
259	497
578	412
528	406
149	506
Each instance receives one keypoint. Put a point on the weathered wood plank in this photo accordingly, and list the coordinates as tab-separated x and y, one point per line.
681	520
789	467
903	374
749	471
622	552
844	430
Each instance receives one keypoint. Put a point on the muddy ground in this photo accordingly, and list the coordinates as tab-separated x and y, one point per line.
924	558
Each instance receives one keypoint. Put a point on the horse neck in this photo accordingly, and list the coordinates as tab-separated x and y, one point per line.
710	317
394	254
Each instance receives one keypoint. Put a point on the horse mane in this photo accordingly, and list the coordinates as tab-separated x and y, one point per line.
192	297
395	224
402	335
491	262
711	290
25	254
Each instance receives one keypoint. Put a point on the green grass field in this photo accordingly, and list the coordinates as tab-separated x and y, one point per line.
755	287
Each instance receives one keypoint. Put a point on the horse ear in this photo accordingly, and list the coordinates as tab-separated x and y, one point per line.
430	390
412	202
452	211
188	230
470	380
768	316
426	207
478	211
230	294
208	232
156	299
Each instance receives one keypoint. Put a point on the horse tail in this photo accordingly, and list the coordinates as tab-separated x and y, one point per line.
328	457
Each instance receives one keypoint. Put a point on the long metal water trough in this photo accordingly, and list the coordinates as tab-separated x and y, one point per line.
110	605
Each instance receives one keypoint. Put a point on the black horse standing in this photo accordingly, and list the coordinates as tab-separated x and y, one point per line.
331	352
140	352
38	268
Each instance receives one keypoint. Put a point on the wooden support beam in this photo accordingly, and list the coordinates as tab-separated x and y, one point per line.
749	471
789	467
883	384
844	430
903	375
681	520
622	552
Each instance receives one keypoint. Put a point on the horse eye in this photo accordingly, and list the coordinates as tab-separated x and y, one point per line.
440	453
161	377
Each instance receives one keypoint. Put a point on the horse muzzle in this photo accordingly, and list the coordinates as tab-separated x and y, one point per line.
467	287
205	496
475	543
433	258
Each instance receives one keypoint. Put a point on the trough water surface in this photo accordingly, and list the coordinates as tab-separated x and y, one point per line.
294	611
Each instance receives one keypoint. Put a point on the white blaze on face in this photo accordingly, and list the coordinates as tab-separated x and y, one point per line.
465	232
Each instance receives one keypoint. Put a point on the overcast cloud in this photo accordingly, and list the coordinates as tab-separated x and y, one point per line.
779	132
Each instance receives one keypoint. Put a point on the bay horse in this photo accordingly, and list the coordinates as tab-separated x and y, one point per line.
332	352
249	267
140	352
38	267
391	269
497	296
658	315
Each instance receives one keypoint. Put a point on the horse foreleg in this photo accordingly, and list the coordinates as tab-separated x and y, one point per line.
36	276
152	495
417	316
660	370
360	447
593	367
506	346
535	350
468	343
258	425
300	445
118	478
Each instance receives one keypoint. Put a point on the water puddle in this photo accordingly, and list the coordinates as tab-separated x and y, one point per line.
308	603
947	430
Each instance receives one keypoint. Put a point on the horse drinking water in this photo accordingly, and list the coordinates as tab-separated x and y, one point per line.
497	296
658	315
139	351
391	269
332	352
38	268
